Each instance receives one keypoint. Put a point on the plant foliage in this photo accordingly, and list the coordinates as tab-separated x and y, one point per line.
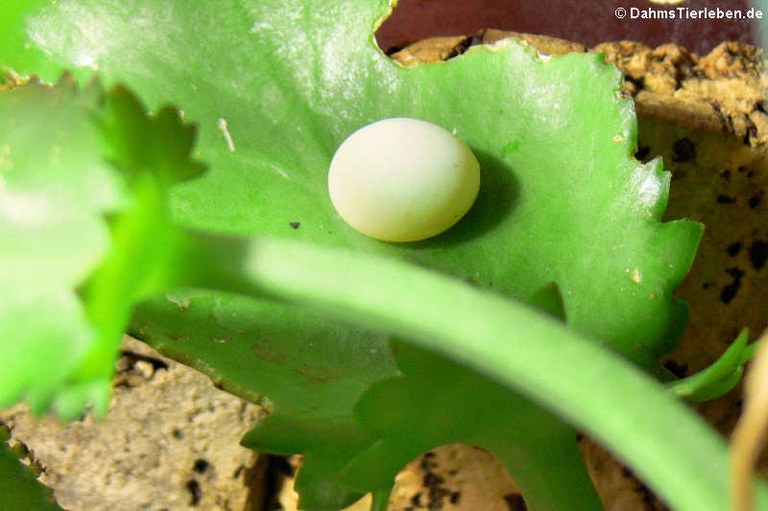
566	221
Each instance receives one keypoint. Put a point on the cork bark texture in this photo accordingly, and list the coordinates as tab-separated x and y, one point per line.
170	442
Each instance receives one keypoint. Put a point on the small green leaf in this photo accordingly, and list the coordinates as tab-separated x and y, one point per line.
437	401
19	489
55	190
80	242
159	144
719	378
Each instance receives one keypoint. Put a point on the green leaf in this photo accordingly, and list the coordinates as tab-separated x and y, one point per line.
308	373
437	401
138	144
71	276
719	378
152	153
54	192
291	80
667	444
20	490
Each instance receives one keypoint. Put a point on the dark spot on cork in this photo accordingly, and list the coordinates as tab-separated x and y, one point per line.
676	368
201	466
683	150
734	249
751	131
177	434
282	465
515	502
758	254
726	123
129	362
637	81
726	174
678	174
726	199
396	48
294	225
432	479
434	491
196	493
460	48
642	153
729	292
649	499
755	200
707	285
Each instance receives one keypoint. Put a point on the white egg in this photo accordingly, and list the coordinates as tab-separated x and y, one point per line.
403	180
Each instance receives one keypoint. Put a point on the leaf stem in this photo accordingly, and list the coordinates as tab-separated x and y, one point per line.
719	378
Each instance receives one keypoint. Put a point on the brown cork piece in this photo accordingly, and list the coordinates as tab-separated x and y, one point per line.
721	92
432	50
452	478
170	442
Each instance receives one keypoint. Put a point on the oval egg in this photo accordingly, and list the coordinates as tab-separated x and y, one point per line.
403	179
